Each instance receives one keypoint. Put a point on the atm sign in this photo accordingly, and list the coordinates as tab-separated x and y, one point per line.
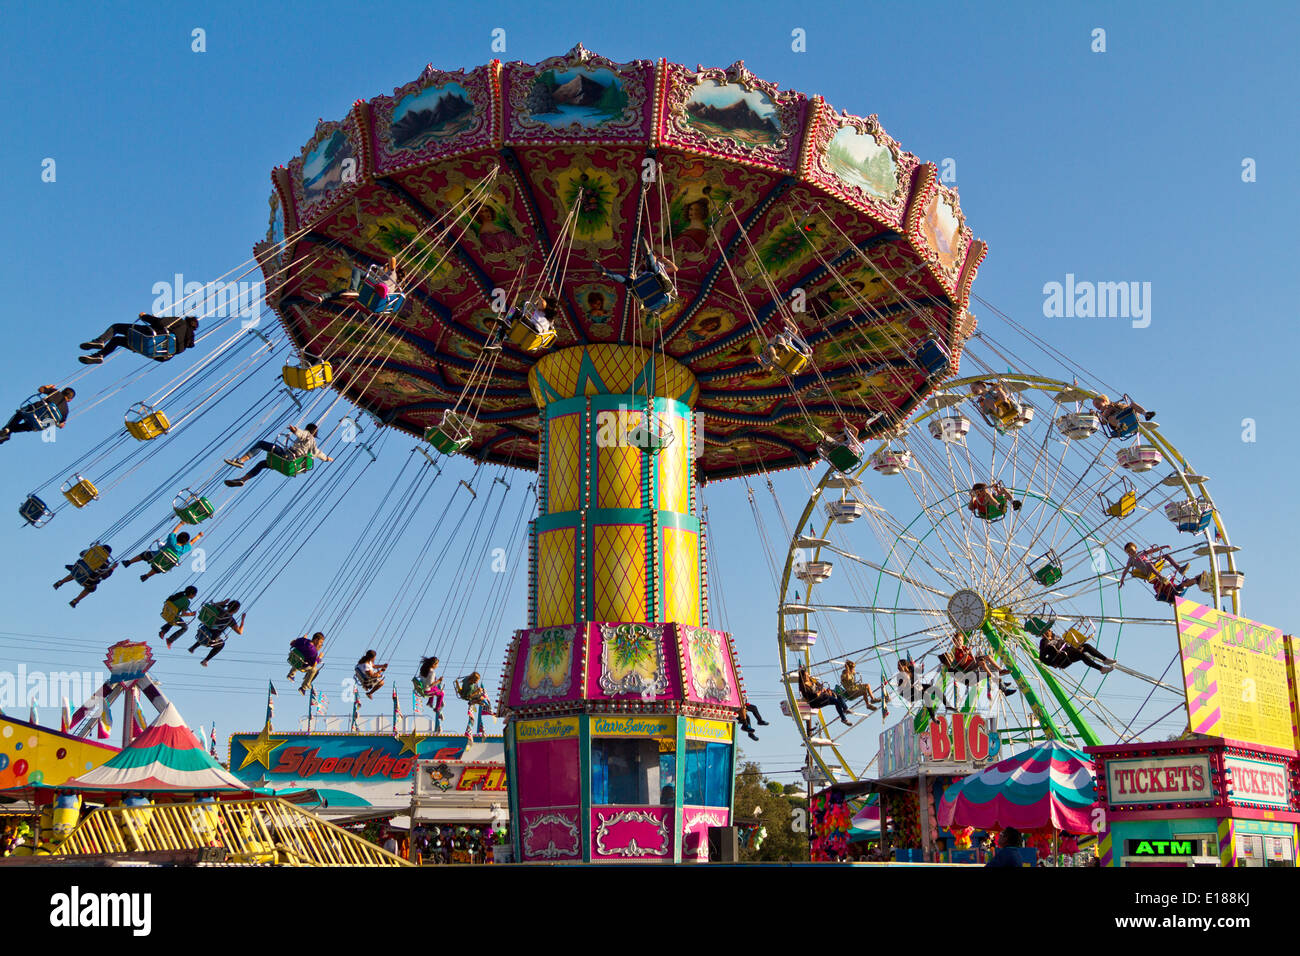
1163	847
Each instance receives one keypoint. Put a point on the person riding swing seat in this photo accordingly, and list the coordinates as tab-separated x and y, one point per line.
1058	653
473	693
290	457
652	286
817	695
962	660
1120	419
997	405
166	555
174	612
160	338
369	674
532	326
428	685
215	618
305	655
48	407
851	688
92	567
990	501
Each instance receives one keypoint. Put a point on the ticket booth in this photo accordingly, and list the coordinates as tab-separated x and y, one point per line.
1201	801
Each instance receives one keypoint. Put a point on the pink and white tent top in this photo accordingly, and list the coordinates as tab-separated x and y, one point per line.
1047	785
166	757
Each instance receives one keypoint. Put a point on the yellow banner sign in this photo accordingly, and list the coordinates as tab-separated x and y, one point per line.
634	726
554	728
1235	673
698	729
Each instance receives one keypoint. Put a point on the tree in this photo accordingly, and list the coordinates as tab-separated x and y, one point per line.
764	800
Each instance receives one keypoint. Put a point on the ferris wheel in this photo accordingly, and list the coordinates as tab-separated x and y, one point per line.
977	561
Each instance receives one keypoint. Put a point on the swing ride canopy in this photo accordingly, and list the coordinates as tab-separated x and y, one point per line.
529	178
167	757
1048	785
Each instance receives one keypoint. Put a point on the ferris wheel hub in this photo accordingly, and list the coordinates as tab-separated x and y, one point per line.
967	610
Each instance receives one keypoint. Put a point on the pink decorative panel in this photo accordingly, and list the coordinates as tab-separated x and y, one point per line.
708	671
547	668
550	835
633	661
632	833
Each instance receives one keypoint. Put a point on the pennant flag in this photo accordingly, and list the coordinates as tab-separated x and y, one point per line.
31	714
105	729
356	711
65	718
202	733
397	712
212	740
138	726
270	704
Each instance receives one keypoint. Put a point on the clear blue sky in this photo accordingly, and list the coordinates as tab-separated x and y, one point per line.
1117	166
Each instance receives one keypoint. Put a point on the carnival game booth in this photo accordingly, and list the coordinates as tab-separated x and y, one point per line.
621	742
1203	801
916	768
368	776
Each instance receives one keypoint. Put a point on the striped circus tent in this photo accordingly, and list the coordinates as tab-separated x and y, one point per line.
165	757
1047	785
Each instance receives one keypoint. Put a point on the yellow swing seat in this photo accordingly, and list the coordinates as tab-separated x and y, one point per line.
148	422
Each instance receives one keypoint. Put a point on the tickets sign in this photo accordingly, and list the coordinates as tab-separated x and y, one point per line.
1180	779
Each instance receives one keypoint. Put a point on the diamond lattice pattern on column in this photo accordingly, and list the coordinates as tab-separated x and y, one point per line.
672	464
563	464
618	573
555	578
618	479
681	577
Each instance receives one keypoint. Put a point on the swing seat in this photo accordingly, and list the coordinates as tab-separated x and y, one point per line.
528	333
891	462
814	572
1048	575
950	428
192	509
1075	637
845	511
148	422
209	614
1005	413
375	297
306	378
992	512
143	340
1127	427
1078	425
83	574
207	637
1038	626
287	465
95	557
164	560
1143	575
452	435
800	638
80	492
653	290
367	683
651	435
787	354
298	662
841	455
1049	569
35	512
1123	506
931	358
1190	515
1139	458
38	414
170	612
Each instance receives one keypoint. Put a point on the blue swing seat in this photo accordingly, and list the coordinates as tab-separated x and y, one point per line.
652	290
369	298
931	358
39	414
35	512
1128	426
143	340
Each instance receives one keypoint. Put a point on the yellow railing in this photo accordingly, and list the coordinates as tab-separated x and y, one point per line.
266	830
